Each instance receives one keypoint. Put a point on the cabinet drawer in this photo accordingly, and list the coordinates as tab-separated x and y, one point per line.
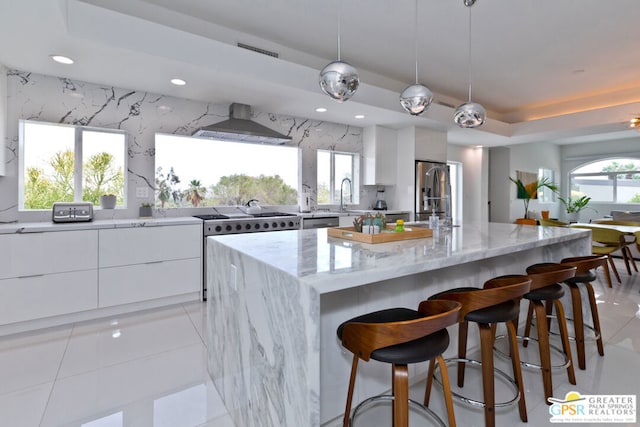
124	246
36	297
41	253
141	282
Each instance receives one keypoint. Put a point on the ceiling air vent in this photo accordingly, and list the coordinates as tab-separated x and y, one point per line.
257	49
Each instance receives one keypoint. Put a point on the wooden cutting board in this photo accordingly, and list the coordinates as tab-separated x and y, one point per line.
350	233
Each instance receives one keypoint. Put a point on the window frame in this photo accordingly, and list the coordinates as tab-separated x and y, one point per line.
216	145
611	177
355	174
77	160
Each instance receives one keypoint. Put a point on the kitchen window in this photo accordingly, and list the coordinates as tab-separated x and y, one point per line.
194	172
67	163
612	181
335	170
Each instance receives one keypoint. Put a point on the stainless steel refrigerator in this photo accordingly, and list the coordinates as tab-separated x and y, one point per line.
433	190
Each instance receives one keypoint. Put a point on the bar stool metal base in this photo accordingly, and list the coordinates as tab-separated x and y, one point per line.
478	403
595	335
526	364
387	397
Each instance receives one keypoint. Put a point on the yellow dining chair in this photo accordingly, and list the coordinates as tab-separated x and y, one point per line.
606	241
629	239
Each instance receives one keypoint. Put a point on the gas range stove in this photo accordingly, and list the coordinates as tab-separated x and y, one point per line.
217	224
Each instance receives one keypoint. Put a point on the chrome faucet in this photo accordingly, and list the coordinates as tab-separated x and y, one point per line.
342	209
448	219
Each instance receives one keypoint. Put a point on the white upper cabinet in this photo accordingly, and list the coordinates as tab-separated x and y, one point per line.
430	145
379	154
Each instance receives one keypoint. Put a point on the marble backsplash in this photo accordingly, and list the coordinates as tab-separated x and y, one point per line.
142	114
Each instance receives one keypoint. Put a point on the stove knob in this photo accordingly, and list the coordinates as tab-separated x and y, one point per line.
248	226
283	224
238	227
266	225
218	228
257	226
290	223
274	225
228	228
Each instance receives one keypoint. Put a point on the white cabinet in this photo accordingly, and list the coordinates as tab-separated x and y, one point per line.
140	264
379	154
35	297
430	145
47	274
29	254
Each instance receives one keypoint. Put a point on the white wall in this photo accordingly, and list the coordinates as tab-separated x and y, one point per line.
499	184
530	158
474	182
3	118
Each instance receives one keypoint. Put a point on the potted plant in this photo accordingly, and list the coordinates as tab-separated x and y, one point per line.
145	210
573	206
108	201
529	191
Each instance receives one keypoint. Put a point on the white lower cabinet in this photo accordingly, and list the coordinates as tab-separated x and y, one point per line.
146	263
35	297
45	274
141	282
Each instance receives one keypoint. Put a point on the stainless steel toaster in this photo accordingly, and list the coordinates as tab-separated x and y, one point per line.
72	212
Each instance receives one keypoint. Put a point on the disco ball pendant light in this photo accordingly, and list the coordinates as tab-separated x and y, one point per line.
470	114
339	79
416	98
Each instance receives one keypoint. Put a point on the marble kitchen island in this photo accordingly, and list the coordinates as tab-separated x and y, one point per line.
275	300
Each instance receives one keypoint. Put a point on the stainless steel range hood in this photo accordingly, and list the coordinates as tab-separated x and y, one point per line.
240	127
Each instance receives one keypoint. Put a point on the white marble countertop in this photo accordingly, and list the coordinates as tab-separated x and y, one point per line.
331	264
38	227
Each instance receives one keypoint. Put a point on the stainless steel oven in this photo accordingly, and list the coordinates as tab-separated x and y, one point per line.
217	225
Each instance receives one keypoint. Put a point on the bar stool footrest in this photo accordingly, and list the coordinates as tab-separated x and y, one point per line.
387	397
594	337
526	364
478	403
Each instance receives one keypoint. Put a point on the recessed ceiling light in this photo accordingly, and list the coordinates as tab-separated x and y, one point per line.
359	116
178	82
321	110
62	59
635	122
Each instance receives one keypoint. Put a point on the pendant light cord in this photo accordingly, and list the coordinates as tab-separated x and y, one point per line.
469	53
415	36
339	16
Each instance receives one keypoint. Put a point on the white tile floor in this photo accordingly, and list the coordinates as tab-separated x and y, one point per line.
149	369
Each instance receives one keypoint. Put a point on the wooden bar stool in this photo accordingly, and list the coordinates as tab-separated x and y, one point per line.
400	336
585	274
545	294
498	301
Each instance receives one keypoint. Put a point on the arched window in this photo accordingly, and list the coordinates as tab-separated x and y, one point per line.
612	180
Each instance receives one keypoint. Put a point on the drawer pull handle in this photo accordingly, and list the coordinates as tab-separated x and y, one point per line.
30	275
154	262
